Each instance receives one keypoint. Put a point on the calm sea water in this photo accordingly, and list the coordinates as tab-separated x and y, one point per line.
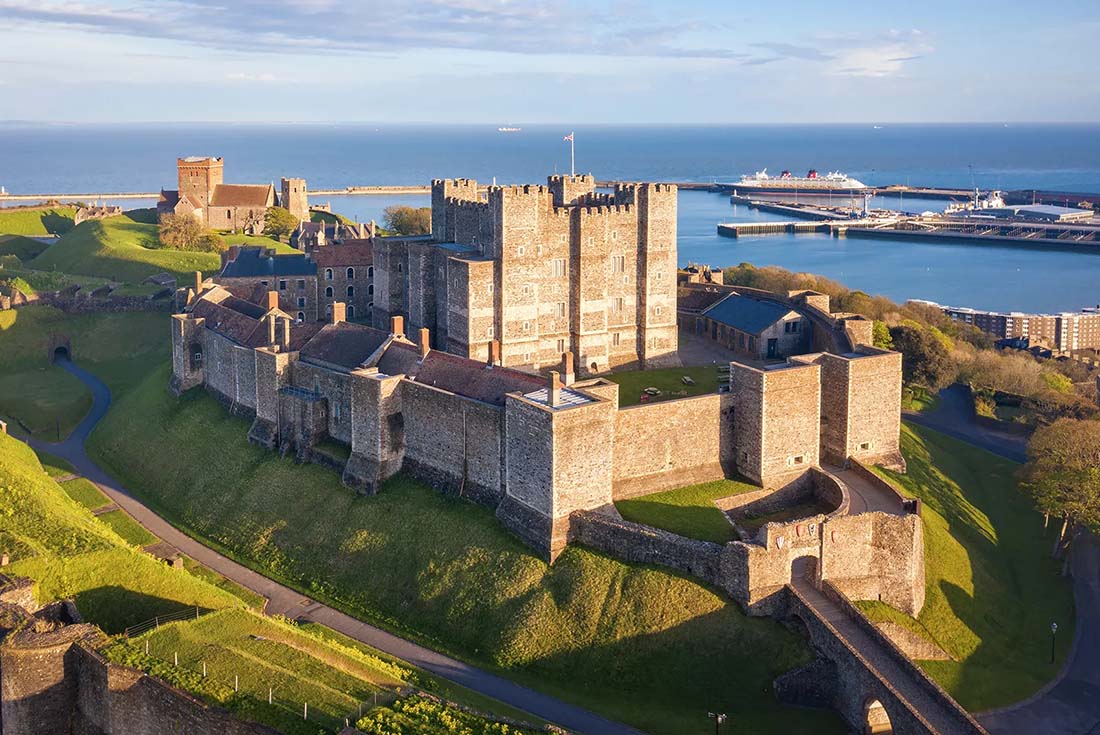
91	158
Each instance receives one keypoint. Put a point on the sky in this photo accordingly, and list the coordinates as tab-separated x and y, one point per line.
533	61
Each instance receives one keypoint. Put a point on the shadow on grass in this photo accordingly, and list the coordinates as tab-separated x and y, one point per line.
115	608
56	224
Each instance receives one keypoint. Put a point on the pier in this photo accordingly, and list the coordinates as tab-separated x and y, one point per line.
985	232
835	227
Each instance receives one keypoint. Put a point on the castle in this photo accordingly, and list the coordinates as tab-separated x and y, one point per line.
541	270
221	206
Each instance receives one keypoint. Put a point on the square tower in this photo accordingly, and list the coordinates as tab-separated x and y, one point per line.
294	198
198	177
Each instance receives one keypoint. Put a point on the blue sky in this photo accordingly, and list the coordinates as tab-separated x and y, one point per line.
473	61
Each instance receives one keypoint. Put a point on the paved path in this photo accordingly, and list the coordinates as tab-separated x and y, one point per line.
943	718
864	496
285	601
1071	704
954	416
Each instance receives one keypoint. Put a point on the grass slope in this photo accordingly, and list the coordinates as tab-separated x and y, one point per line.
637	644
992	589
24	248
69	553
122	249
84	492
48	221
667	380
688	511
42	398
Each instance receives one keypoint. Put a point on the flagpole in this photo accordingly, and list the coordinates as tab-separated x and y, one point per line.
572	159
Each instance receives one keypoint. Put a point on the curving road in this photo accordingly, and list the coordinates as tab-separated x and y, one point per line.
284	601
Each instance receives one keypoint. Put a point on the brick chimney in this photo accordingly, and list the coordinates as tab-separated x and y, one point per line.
494	353
553	395
397	326
425	342
272	300
198	282
567	368
271	333
284	333
339	312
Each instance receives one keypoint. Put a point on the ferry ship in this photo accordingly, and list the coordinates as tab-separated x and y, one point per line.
785	183
509	130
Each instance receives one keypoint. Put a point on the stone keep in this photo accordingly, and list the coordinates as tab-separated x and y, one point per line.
294	198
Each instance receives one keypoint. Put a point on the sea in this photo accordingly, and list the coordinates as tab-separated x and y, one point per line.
59	158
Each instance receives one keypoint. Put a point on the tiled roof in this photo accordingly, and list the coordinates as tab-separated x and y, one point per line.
242	195
254	261
400	358
698	299
751	316
230	323
344	344
336	256
474	379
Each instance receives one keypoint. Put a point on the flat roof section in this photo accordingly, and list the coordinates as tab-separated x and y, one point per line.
567	398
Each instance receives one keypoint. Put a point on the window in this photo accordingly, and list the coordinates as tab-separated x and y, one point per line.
370	290
741	341
491	286
336	412
527	326
618	263
790	327
301	284
351	311
561	309
658	310
561	238
798	460
527	289
328	274
301	302
864	446
351	292
351	273
489	332
400	267
615	339
561	346
282	284
559	267
614	234
263	283
521	250
301	317
619	304
228	214
370	271
328	292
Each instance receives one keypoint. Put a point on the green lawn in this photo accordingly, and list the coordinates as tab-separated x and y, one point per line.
69	553
916	398
84	492
992	589
119	348
121	249
422	716
667	380
54	465
49	221
253	600
24	248
589	629
688	511
127	528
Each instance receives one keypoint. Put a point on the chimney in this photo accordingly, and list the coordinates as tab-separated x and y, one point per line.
284	333
271	330
272	300
198	282
567	368
397	326
494	353
554	392
339	312
425	345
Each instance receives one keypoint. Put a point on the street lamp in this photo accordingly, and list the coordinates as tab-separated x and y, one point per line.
718	718
1053	633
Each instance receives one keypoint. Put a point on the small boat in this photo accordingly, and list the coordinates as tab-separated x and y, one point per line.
509	130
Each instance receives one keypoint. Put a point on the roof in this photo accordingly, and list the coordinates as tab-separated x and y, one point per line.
255	261
566	397
474	379
242	195
359	253
228	322
751	316
400	358
698	299
345	345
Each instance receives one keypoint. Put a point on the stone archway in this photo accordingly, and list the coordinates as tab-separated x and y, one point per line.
59	348
804	568
876	720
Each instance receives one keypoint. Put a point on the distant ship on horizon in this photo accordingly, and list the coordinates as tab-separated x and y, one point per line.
509	130
832	182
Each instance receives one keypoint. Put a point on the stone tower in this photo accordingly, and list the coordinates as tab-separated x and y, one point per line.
294	198
198	177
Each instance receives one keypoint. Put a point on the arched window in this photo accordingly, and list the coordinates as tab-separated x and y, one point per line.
351	273
400	267
301	317
328	274
351	292
370	290
328	292
351	311
370	271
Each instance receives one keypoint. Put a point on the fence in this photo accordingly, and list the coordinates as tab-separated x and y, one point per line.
189	613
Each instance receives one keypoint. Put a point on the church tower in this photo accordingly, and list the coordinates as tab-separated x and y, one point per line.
294	198
198	177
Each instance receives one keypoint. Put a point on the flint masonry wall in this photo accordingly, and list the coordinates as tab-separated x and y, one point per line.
659	446
335	387
229	370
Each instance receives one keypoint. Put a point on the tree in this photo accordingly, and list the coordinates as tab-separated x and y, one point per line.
881	338
211	242
924	359
180	231
279	222
408	220
1062	475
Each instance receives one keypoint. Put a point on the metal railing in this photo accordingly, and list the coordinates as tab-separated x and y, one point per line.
189	613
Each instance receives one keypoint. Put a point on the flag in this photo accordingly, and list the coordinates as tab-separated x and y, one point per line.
568	138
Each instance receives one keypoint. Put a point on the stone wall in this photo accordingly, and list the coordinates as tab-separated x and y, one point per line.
335	386
670	444
855	387
876	556
229	370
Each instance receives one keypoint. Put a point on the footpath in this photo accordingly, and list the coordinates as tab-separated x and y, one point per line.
283	600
